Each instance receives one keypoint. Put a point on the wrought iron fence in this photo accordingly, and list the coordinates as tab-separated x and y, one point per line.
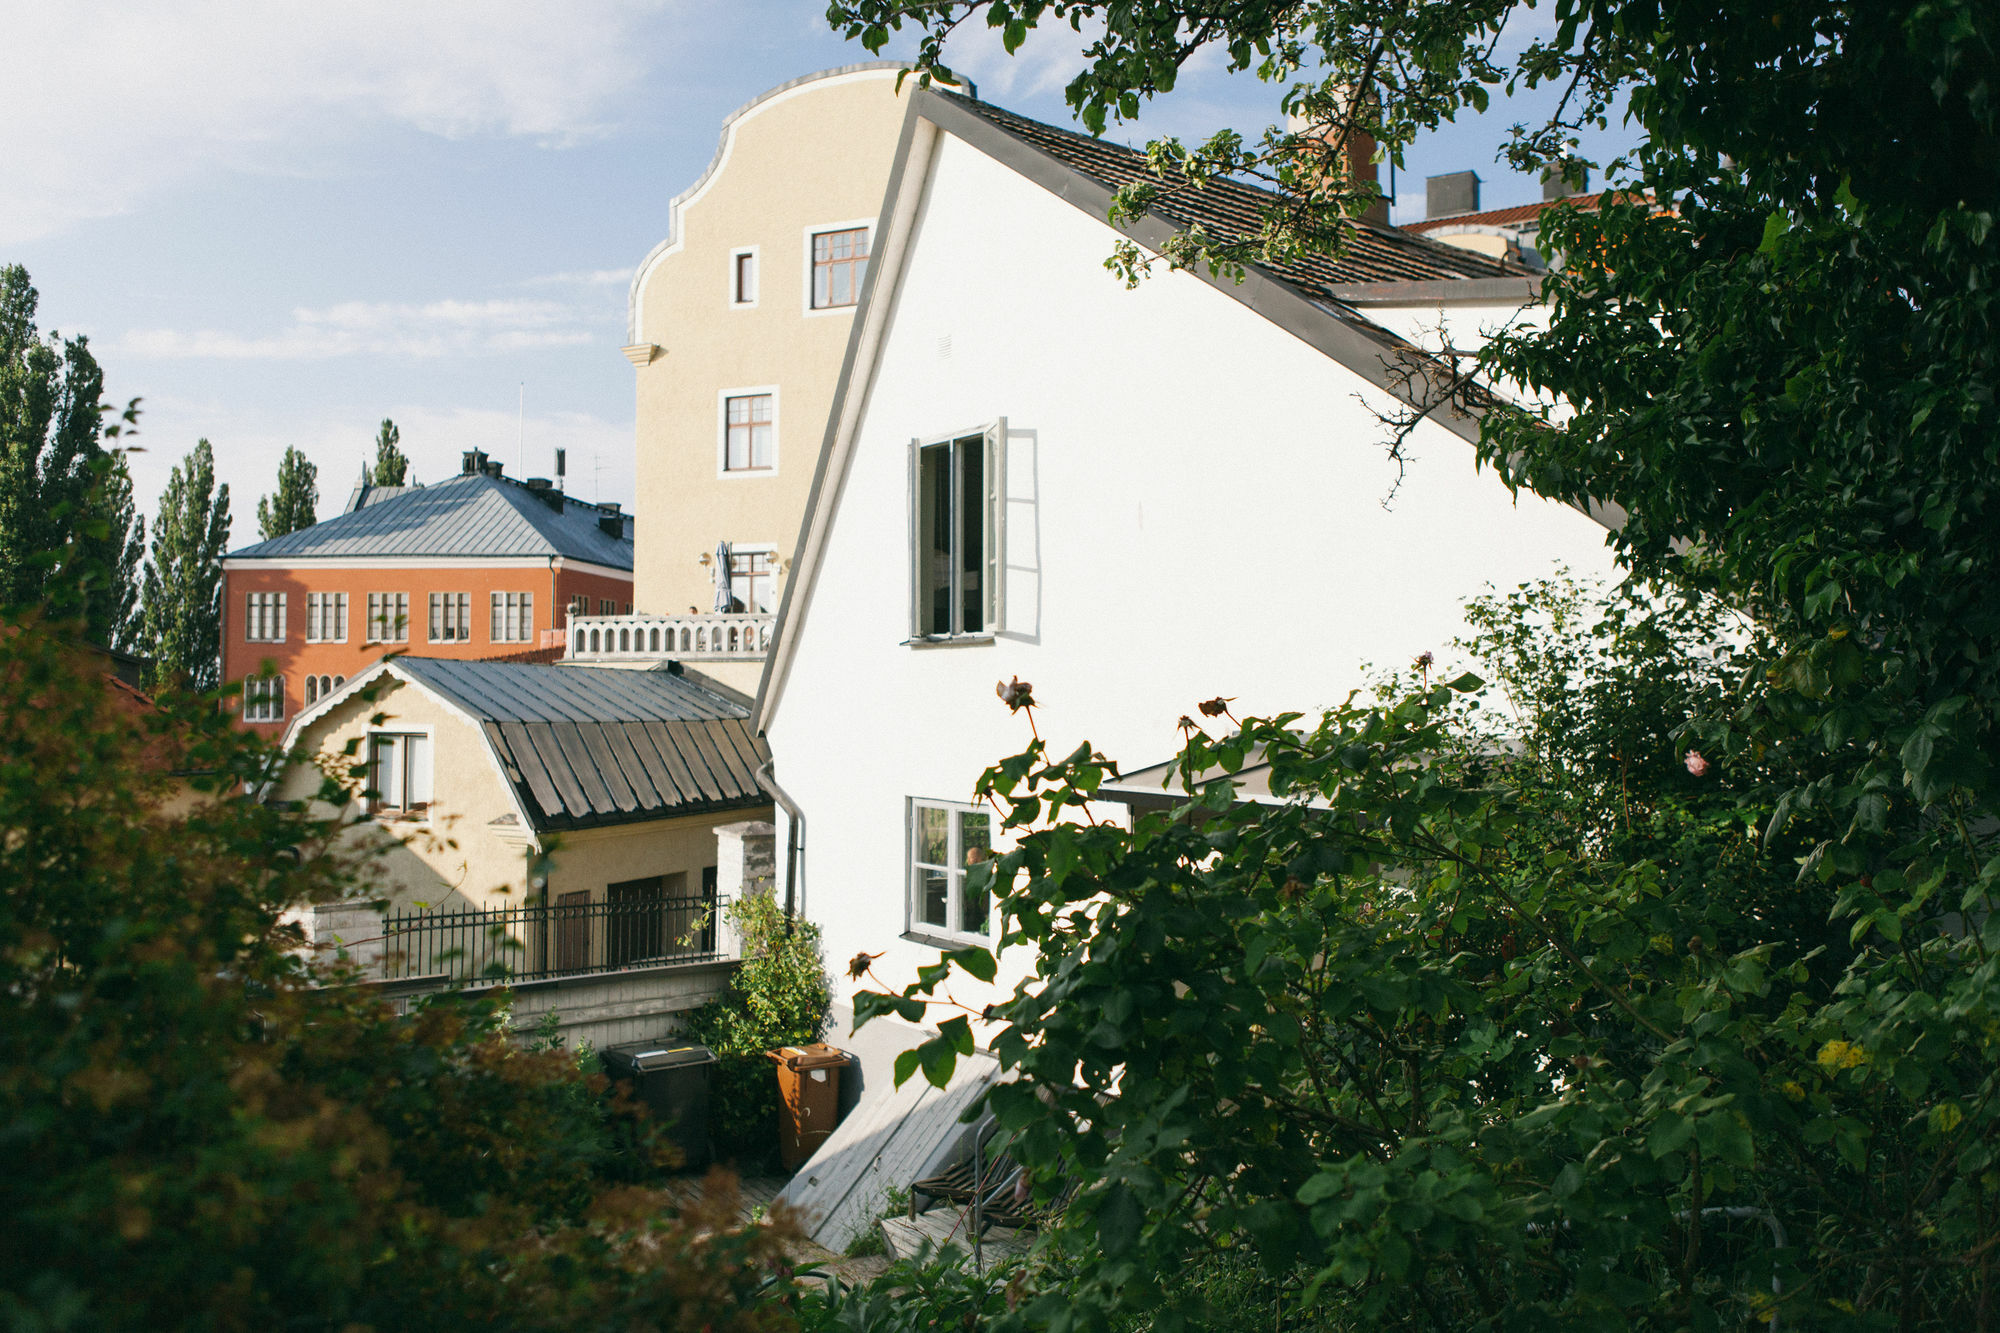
562	939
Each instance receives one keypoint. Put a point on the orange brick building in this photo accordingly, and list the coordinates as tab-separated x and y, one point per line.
480	566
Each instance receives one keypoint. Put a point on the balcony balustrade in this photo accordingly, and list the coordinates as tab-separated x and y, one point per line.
624	638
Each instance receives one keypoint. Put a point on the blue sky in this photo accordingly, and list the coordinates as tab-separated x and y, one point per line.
279	224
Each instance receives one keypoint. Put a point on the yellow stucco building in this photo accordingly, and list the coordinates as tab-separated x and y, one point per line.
739	321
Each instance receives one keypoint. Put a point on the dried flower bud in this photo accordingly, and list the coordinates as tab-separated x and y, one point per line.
1425	660
1016	694
1215	707
1697	764
858	968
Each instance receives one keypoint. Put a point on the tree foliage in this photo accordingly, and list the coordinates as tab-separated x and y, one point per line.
203	1135
295	504
65	501
181	614
1580	1069
392	466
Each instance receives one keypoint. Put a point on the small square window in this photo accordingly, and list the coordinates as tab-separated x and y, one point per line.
264	617
388	617
451	617
839	264
264	699
326	617
513	617
946	841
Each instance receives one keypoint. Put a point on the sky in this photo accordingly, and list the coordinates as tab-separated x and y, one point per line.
279	224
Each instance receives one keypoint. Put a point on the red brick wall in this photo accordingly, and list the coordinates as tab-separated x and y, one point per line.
296	659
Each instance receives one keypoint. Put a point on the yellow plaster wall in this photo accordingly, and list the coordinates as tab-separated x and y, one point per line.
810	157
456	859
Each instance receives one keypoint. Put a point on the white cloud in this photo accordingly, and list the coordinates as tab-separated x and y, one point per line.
105	102
383	328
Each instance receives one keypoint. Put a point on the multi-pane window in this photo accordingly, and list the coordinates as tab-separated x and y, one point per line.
606	607
579	605
743	277
840	262
388	617
319	687
513	617
264	699
264	617
451	617
747	432
957	522
399	773
750	587
326	617
946	840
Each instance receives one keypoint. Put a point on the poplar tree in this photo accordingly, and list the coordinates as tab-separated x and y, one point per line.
181	621
295	505
392	465
65	501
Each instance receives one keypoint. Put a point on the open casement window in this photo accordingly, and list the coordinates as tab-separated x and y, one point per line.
946	839
399	774
957	520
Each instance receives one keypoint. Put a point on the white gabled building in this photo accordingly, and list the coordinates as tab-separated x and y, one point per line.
1134	499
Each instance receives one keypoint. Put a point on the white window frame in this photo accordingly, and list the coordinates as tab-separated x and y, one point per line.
993	558
258	614
405	811
914	924
756	277
760	548
433	621
395	618
722	397
319	605
322	686
517	615
264	699
806	256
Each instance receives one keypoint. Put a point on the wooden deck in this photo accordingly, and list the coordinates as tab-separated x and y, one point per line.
947	1225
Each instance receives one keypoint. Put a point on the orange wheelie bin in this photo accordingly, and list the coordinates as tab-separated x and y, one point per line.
809	1088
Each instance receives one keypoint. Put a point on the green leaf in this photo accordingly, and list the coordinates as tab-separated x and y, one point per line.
976	961
906	1065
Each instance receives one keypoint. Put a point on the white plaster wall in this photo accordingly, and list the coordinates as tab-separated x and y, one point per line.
1196	508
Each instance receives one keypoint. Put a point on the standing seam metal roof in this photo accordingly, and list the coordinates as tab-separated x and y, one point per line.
473	516
587	747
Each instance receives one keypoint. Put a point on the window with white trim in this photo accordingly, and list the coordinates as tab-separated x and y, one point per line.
399	774
388	617
946	840
606	607
579	605
840	262
743	277
451	617
513	617
319	687
264	617
264	699
326	617
748	433
956	490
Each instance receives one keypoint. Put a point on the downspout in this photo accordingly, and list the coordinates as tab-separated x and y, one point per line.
795	840
555	603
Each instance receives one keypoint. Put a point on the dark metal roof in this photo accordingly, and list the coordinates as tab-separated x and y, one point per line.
1370	252
473	516
591	746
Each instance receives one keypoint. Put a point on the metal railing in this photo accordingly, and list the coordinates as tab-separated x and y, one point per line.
529	943
600	638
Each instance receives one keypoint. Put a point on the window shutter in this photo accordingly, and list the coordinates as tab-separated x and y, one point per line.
996	525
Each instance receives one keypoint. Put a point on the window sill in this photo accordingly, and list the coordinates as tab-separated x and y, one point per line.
950	640
917	935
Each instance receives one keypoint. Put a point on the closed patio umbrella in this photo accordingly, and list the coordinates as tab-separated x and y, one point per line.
722	597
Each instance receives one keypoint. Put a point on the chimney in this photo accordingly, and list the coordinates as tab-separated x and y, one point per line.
473	463
611	526
562	469
1560	184
608	506
1359	147
1453	192
540	488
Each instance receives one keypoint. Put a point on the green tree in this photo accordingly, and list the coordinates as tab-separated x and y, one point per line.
1532	1064
210	1133
181	608
392	466
65	501
295	504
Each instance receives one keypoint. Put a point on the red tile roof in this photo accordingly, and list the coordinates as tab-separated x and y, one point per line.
1506	217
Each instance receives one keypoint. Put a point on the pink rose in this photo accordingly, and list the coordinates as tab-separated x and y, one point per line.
1697	765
